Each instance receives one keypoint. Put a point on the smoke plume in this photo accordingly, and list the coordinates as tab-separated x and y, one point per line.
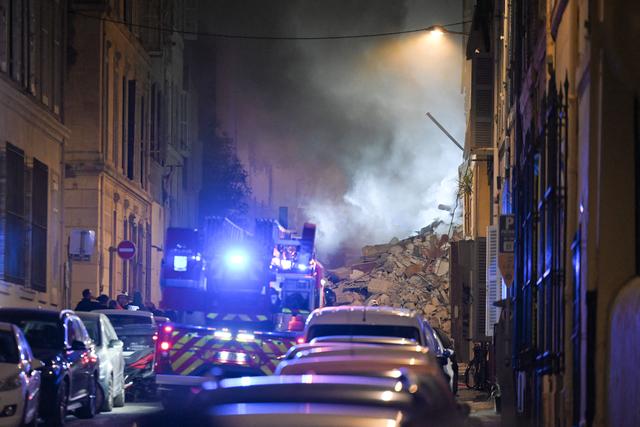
345	119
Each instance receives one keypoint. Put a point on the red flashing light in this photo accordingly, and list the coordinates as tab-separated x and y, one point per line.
155	338
300	340
164	345
168	329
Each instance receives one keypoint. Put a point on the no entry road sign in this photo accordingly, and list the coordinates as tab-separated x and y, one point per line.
126	249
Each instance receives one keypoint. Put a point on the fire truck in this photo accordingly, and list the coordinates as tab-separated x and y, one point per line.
238	301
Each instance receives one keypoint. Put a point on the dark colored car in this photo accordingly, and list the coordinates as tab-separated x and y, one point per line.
70	372
416	398
138	331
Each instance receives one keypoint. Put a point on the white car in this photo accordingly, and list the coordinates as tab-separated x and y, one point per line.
110	354
19	379
369	321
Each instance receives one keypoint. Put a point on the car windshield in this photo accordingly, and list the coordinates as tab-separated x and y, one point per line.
41	334
136	342
8	348
118	320
93	328
409	332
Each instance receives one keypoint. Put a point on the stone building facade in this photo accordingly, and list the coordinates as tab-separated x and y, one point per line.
131	114
565	162
32	141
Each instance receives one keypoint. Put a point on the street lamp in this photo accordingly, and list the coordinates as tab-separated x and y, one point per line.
437	31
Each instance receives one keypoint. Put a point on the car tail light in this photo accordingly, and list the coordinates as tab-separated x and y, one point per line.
142	362
168	329
300	340
165	345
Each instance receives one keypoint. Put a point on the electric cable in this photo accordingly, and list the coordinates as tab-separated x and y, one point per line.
275	38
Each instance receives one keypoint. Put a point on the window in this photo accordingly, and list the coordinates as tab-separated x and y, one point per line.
116	126
34	43
123	152
131	129
14	249
40	192
8	348
4	35
143	144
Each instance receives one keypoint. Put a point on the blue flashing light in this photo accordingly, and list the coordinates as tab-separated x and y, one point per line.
180	263
236	260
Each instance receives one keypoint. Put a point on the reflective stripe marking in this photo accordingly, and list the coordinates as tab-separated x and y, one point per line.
192	367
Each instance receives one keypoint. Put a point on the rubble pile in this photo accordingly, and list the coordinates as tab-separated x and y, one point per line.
411	273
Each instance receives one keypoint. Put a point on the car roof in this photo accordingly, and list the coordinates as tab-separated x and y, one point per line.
4	326
303	415
361	365
360	390
359	314
363	339
339	345
374	350
35	313
92	315
124	312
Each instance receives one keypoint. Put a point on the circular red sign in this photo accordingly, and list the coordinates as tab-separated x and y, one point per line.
126	249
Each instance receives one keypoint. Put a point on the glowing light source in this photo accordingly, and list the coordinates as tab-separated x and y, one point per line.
236	259
300	340
180	263
436	33
164	346
386	396
168	329
222	335
245	337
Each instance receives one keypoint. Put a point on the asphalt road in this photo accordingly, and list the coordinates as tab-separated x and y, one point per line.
150	414
131	415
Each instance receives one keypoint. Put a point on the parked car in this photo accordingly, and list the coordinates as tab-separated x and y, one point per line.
330	345
361	365
19	379
70	373
327	400
111	390
369	321
138	332
448	359
371	350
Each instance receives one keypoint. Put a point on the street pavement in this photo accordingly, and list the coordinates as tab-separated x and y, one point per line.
142	414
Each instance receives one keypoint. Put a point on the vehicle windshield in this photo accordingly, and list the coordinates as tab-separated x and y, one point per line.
40	334
118	320
8	348
93	328
409	332
136	342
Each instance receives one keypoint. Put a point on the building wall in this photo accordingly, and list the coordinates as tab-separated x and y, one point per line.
131	117
31	68
567	119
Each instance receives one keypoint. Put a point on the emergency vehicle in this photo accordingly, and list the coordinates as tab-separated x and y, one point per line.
238	300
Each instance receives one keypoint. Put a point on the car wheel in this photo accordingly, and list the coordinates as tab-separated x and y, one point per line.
34	418
88	409
105	402
56	417
118	401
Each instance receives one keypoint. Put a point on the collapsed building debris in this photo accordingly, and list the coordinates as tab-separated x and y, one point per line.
411	273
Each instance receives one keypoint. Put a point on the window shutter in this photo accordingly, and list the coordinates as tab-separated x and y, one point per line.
494	280
482	101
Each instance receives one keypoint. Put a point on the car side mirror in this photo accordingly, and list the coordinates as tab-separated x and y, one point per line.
115	343
37	364
78	346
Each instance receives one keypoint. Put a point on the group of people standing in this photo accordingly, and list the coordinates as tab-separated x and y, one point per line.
122	302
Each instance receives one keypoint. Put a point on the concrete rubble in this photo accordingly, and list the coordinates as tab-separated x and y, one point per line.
411	273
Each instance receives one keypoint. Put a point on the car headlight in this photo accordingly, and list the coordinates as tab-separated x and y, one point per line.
11	383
